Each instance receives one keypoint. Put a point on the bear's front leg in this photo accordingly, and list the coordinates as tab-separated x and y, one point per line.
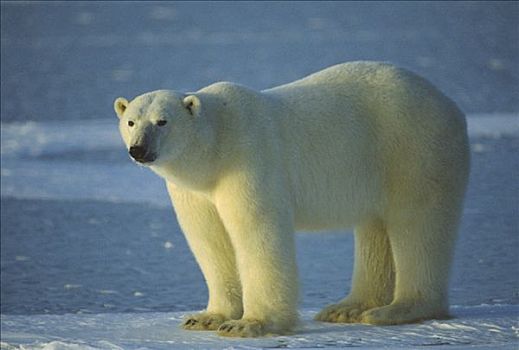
213	251
259	223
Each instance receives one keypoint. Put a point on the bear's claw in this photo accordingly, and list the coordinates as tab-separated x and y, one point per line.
241	328
203	322
341	313
190	322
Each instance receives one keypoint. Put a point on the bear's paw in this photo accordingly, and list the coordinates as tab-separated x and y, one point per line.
242	328
341	313
203	321
403	312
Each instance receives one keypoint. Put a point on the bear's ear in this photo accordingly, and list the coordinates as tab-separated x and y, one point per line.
192	104
120	105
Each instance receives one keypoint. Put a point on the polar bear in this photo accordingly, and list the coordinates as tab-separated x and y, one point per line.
362	144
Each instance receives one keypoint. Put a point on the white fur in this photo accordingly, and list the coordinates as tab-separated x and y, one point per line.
361	144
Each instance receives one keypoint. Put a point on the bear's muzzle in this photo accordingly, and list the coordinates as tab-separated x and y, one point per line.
141	154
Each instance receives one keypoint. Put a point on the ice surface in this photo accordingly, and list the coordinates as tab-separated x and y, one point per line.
489	327
71	160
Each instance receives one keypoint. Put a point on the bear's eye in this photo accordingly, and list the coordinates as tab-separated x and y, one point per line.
162	122
130	123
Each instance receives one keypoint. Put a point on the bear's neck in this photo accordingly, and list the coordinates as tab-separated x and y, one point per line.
191	174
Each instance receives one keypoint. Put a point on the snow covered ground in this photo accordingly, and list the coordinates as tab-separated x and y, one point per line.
91	254
478	327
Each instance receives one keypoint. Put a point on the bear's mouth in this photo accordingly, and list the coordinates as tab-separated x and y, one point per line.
146	159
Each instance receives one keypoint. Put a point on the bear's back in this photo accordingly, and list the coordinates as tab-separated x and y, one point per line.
359	72
386	94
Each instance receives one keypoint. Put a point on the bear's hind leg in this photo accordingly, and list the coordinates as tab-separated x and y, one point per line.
373	276
422	241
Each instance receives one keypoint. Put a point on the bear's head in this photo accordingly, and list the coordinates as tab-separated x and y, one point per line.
159	126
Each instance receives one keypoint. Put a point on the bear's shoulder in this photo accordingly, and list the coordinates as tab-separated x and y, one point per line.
227	88
231	94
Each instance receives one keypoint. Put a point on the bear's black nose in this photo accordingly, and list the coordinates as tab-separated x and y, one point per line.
137	152
140	154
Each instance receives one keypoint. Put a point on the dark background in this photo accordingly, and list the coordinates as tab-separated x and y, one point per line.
70	60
